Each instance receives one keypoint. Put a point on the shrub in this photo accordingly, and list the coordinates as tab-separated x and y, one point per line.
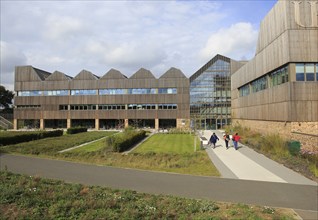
51	146
76	130
125	140
178	131
9	138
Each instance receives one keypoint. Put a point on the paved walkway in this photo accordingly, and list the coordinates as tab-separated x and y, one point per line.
247	164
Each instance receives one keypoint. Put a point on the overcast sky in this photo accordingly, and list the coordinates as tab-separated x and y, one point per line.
70	36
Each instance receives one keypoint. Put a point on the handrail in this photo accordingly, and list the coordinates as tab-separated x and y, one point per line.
5	123
6	120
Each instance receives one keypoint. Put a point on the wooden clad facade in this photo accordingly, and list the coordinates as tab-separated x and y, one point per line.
288	38
156	105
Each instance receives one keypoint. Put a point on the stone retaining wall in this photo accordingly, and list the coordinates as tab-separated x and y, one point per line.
304	132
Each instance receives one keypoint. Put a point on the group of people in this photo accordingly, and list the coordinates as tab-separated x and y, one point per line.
235	138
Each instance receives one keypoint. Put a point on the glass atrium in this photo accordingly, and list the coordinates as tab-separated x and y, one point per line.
210	94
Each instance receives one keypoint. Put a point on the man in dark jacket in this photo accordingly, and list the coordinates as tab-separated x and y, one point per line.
213	139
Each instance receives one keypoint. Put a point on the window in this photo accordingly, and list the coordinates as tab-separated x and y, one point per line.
141	106
317	72
310	72
84	92
111	107
167	90
279	76
259	84
245	90
83	107
142	91
112	91
167	106
300	72
63	107
307	72
55	93
29	106
30	93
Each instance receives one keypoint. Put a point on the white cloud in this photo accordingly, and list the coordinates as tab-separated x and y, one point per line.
63	28
11	56
98	35
237	42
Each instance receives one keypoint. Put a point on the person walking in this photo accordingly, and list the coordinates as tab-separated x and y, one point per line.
226	139
213	139
236	139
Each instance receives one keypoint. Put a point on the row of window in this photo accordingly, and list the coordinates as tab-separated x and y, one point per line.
304	72
275	78
136	91
119	107
28	106
210	111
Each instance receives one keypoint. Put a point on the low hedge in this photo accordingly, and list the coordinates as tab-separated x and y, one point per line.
9	138
125	140
76	130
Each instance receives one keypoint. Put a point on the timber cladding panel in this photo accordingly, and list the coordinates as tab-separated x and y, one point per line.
118	114
55	115
294	101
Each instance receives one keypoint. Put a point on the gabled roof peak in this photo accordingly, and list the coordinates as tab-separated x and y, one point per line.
113	74
143	73
58	76
173	73
85	75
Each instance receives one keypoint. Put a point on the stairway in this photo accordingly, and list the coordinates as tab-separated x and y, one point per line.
5	124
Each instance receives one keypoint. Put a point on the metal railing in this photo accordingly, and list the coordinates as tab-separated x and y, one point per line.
6	124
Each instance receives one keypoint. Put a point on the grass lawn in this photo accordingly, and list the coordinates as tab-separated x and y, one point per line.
173	153
169	143
161	152
31	197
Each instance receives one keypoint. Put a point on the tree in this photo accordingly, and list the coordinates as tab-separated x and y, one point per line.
6	97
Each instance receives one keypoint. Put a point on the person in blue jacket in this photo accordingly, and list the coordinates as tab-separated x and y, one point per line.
213	139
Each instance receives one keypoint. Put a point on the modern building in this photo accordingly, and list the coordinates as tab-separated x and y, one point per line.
54	100
210	93
277	91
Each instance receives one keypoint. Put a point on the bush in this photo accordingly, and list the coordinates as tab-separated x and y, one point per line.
9	138
76	130
125	140
51	146
178	131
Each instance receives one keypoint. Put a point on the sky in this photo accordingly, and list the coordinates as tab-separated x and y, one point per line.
71	36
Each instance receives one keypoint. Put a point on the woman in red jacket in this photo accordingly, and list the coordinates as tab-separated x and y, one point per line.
236	139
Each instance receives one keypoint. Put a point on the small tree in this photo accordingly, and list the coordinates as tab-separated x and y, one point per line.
6	97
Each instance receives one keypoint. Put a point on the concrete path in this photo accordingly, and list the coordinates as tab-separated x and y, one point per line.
247	164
